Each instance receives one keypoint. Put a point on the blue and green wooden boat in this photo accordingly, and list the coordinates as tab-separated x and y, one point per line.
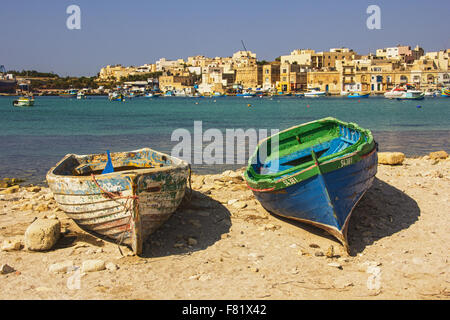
358	95
317	174
125	204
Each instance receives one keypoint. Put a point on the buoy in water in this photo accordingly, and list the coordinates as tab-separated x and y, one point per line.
307	106
249	105
419	106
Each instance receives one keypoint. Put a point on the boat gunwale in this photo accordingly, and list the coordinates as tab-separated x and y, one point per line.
177	164
259	179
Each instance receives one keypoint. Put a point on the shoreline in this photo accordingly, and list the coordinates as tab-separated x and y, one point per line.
224	245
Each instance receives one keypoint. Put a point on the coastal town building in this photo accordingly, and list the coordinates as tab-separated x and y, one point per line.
271	76
293	78
115	72
334	71
249	76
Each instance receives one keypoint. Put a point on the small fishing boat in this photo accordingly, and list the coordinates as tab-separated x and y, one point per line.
246	94
81	95
445	92
358	95
315	93
317	175
24	101
127	203
69	93
116	96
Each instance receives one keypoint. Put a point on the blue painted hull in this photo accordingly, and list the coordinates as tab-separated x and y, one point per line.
358	96
327	200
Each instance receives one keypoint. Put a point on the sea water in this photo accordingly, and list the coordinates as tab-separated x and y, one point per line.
33	139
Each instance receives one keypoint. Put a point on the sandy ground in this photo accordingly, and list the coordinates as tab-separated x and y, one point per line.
214	248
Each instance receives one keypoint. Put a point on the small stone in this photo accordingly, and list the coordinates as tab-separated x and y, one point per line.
313	245
111	266
61	266
335	265
33	189
42	234
93	265
192	241
230	202
27	207
48	196
293	246
11	245
319	254
330	252
270	227
254	269
5	269
42	208
239	205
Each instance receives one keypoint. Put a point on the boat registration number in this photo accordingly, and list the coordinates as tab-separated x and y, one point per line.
346	162
290	181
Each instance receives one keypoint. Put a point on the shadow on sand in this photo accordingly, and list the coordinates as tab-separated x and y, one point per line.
202	219
382	211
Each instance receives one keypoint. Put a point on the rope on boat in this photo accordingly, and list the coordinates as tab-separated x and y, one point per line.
127	206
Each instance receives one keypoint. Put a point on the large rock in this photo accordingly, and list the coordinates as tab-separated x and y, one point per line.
10	190
438	155
42	234
391	158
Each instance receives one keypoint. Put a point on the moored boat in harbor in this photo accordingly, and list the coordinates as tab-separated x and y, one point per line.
317	175
445	92
69	93
126	205
358	95
314	93
24	101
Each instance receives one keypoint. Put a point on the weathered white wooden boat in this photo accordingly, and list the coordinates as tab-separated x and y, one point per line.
126	205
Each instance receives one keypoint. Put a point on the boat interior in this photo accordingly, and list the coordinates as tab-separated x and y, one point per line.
297	146
122	161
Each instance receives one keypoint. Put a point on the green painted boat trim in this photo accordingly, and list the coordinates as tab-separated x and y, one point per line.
312	133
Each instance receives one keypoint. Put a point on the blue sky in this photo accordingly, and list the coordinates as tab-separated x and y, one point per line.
34	35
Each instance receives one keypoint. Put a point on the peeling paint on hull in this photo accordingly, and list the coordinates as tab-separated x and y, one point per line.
127	205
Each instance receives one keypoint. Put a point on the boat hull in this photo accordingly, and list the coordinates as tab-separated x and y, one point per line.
325	201
445	93
358	95
124	206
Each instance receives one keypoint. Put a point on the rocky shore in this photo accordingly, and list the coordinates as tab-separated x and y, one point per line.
223	245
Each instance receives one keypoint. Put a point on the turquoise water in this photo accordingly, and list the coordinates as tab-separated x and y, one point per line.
34	139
